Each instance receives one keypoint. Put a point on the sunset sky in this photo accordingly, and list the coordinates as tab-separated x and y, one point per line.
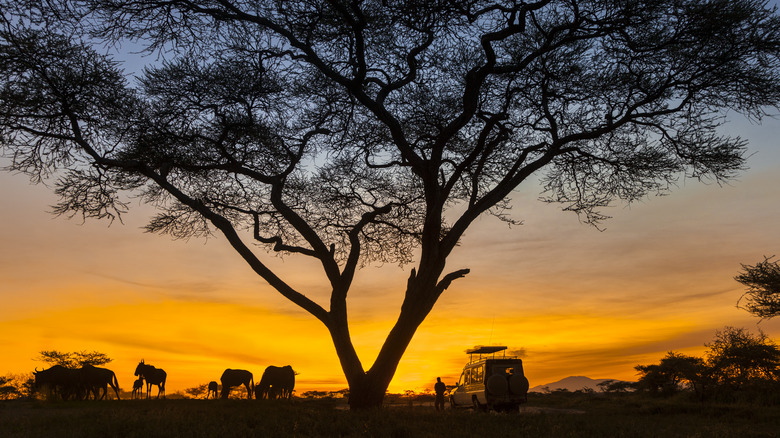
575	300
571	299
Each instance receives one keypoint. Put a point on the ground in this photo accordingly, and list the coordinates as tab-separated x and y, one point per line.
573	415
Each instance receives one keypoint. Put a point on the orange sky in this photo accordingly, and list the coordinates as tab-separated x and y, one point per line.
575	300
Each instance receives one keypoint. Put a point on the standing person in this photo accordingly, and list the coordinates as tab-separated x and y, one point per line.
439	387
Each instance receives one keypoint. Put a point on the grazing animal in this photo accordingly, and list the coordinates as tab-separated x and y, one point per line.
213	387
138	388
153	376
277	382
60	381
231	378
94	378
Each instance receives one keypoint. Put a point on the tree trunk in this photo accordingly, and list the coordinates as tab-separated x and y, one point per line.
368	394
367	391
367	388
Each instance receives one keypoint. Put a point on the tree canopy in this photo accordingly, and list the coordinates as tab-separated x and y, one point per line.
763	282
353	132
735	360
738	357
673	371
73	359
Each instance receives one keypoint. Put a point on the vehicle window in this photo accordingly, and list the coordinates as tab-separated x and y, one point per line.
478	374
468	375
462	380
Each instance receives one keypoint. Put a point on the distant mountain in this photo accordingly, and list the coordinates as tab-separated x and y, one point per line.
571	383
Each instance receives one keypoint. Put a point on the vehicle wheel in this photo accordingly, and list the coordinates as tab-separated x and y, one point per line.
478	407
518	384
498	385
452	402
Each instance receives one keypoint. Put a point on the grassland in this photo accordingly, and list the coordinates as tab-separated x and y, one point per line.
565	415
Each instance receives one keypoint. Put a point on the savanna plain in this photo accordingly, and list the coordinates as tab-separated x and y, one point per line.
545	415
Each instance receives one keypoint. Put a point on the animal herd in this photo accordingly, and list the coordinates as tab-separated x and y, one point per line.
87	381
277	382
77	384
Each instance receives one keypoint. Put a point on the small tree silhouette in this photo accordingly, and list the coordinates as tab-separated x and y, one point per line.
675	371
8	390
763	281
735	360
197	391
739	358
74	359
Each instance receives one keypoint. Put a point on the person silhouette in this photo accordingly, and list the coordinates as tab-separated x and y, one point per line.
439	387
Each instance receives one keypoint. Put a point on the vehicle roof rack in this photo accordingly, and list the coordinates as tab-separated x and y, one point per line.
486	349
482	350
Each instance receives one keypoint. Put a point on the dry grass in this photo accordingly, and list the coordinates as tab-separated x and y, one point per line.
571	415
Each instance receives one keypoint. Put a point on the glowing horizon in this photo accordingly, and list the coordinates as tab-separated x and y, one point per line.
577	301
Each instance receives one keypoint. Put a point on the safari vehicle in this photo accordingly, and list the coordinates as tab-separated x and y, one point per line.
491	382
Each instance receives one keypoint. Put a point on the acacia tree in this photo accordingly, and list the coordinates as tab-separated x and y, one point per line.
735	360
197	391
73	359
763	283
352	132
674	370
739	358
9	390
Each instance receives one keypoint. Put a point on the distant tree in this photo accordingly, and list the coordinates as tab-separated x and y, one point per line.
74	359
15	386
738	358
341	393
683	370
8	391
316	394
27	387
735	360
612	385
237	392
650	378
410	395
375	130
763	282
675	371
197	391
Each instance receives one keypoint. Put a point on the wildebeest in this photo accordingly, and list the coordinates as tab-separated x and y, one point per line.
138	388
232	378
60	381
78	383
213	387
276	382
94	378
153	376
